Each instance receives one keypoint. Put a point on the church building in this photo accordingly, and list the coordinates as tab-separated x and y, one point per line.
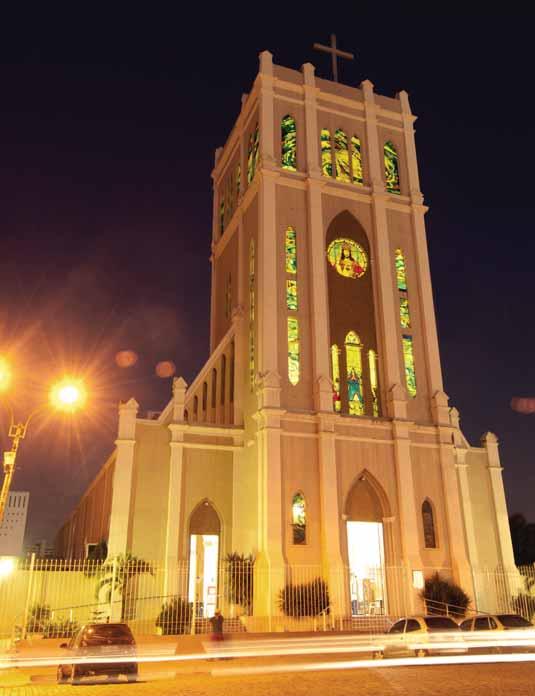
317	436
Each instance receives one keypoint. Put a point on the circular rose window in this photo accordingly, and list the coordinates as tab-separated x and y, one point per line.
348	258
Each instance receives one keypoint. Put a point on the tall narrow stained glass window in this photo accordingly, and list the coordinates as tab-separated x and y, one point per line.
428	523
408	359
356	161
355	391
404	314
293	350
391	168
252	154
291	295
289	143
299	519
401	275
341	154
238	180
372	363
335	362
222	216
326	152
291	250
251	313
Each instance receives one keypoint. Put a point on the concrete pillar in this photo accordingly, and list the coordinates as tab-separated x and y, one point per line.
266	111
382	264
408	509
490	442
331	514
266	273
311	122
464	488
119	538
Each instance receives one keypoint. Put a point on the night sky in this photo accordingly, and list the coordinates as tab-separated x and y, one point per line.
108	126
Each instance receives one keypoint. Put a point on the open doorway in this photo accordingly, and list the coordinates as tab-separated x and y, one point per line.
204	560
366	567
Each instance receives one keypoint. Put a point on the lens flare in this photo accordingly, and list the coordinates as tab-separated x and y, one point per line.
5	374
68	395
165	368
126	358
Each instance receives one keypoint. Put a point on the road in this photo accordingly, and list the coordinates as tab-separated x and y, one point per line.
471	680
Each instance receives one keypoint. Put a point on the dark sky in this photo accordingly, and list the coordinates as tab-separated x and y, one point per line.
108	125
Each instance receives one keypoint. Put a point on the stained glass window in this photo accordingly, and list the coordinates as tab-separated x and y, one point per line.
391	168
347	257
372	362
401	275
214	388
293	350
222	216
408	358
326	153
291	295
289	143
251	313
356	160
238	180
355	392
404	314
223	394
428	525
252	154
341	156
299	519
291	250
335	361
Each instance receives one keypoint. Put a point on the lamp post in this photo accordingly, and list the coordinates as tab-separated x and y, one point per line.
67	395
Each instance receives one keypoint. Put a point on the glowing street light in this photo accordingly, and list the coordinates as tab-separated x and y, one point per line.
67	395
7	566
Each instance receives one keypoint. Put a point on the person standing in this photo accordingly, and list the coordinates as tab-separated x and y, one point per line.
216	622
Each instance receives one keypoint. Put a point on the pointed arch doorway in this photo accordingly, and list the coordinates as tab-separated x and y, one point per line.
364	513
204	536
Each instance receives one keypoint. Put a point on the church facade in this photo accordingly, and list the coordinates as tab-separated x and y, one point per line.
317	436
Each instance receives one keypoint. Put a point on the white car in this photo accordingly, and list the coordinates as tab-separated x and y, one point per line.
422	635
486	631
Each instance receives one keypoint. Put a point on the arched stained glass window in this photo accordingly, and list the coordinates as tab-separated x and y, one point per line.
391	168
222	215
356	160
252	154
428	522
401	274
195	407
326	153
291	250
289	143
299	519
204	396
341	156
251	313
372	363
238	180
404	314
355	391
408	358
335	362
293	350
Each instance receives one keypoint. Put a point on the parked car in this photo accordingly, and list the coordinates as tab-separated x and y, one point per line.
99	640
414	635
519	629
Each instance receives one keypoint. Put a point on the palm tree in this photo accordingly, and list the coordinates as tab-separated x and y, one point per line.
118	576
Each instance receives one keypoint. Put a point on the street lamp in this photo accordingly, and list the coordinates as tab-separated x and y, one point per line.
67	395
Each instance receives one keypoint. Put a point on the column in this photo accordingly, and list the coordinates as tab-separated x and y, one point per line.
331	515
408	510
118	541
266	110
266	271
490	442
387	314
460	562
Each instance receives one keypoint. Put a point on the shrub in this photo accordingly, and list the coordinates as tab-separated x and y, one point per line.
39	618
240	580
524	604
175	617
64	628
444	597
306	599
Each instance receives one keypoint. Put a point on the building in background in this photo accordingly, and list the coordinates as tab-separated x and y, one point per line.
41	549
14	524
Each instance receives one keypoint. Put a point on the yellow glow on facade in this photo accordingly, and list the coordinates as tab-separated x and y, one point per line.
5	374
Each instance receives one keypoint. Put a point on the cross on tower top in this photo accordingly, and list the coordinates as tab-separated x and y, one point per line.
335	54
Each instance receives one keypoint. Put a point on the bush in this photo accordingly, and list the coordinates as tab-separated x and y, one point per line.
175	617
524	604
444	597
39	618
60	629
240	578
307	599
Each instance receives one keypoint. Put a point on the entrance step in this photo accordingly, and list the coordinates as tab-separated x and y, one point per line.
229	626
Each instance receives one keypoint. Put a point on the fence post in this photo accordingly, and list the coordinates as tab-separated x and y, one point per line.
112	592
28	597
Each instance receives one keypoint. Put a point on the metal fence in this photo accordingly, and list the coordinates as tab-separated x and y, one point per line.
52	598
